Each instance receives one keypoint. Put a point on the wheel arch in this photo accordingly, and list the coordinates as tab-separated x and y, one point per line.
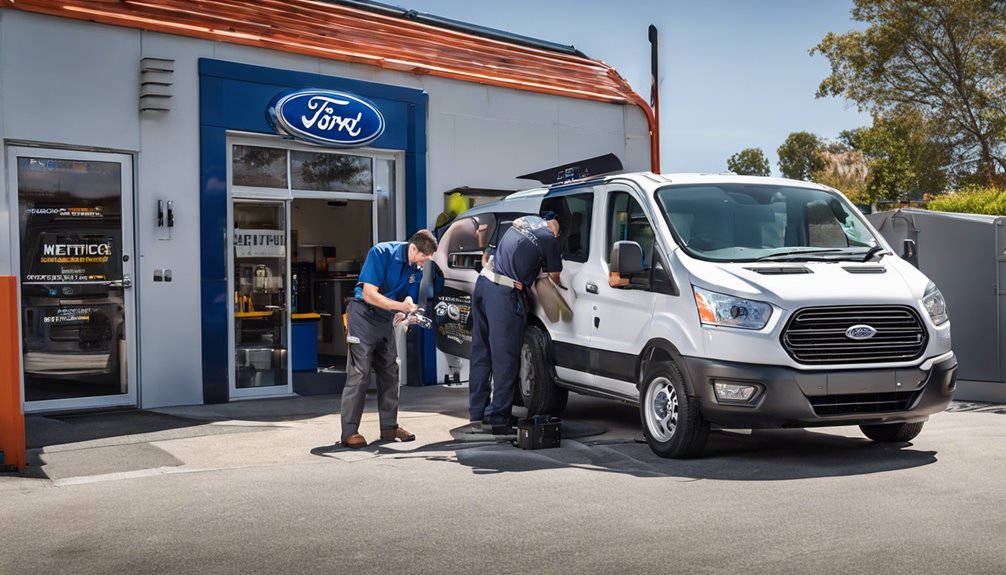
659	349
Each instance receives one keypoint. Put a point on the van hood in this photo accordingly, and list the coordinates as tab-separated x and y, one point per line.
791	285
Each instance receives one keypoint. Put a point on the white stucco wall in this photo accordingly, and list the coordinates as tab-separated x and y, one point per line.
75	84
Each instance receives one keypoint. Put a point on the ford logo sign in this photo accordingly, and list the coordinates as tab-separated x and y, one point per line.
860	332
325	117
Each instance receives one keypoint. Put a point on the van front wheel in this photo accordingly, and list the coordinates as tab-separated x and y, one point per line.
535	386
672	423
893	432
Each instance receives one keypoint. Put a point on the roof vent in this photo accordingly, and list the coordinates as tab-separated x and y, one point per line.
156	75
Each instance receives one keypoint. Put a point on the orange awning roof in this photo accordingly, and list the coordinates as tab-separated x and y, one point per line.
351	34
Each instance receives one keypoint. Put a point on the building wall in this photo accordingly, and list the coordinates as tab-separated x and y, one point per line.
76	84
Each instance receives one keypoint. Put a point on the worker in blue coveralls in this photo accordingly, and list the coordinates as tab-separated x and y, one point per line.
499	315
386	292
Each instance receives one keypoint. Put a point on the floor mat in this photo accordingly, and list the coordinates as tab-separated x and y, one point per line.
64	464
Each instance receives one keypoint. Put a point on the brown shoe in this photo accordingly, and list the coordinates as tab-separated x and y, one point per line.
398	434
354	441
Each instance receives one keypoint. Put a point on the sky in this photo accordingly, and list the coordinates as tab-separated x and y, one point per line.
734	74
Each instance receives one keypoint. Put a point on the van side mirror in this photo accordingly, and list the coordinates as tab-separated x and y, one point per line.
626	258
909	252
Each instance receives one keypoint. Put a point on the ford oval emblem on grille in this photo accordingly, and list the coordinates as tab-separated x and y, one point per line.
326	117
860	332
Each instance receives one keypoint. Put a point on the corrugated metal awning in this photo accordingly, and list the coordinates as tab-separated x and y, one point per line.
350	33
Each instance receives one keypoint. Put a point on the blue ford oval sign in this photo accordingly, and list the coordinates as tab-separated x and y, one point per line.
860	332
326	117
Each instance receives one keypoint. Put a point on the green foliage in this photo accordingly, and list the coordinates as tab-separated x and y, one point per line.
798	156
972	200
902	154
749	162
944	59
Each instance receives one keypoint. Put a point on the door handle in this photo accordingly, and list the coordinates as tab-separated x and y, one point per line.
125	282
591	287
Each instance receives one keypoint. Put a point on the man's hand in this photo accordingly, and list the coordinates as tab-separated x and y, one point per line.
407	306
554	276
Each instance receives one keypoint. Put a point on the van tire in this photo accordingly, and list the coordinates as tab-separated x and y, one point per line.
893	432
672	422
535	385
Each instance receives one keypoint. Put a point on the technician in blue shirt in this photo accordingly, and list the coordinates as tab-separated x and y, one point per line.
387	289
499	315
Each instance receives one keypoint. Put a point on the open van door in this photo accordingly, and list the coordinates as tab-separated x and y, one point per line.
458	262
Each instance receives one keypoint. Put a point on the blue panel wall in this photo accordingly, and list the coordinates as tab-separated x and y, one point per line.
235	97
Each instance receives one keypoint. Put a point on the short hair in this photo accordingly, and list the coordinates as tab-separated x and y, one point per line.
549	215
424	241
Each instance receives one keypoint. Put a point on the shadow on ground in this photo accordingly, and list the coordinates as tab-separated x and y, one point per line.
763	456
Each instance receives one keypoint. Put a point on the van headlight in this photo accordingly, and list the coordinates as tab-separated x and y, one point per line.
729	311
935	305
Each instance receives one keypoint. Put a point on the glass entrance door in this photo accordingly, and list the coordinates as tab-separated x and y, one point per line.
260	299
75	245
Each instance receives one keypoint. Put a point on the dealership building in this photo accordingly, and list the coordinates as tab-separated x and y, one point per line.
189	188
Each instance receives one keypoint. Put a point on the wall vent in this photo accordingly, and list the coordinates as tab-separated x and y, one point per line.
156	75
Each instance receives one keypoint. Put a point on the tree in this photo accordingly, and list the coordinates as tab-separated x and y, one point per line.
944	59
904	156
749	162
799	156
845	169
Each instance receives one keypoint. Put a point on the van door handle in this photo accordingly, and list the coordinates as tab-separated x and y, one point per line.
591	287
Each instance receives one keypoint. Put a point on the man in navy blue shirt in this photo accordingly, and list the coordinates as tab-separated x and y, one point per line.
387	290
499	315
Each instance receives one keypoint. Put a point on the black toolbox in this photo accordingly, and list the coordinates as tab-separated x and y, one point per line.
539	432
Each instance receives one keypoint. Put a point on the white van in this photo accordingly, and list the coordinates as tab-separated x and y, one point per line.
717	301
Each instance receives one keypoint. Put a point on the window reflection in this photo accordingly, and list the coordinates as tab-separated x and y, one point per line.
259	167
317	171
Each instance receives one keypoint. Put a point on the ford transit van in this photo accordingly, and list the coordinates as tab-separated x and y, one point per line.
715	301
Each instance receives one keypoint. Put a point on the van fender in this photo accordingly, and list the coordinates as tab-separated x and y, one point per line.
657	350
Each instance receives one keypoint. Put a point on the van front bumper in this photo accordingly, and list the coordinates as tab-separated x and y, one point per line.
786	397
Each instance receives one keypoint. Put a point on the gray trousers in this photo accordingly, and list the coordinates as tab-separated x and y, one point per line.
361	358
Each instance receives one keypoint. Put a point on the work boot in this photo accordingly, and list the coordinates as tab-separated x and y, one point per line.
397	434
354	441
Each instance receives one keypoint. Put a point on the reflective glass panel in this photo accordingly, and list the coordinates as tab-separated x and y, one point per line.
259	167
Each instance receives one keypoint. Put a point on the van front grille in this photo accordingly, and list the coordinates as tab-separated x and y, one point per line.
863	403
820	335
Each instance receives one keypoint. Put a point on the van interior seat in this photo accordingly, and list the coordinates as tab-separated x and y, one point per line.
823	228
712	231
574	239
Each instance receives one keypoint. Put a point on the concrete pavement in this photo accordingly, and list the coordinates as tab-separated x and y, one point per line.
259	487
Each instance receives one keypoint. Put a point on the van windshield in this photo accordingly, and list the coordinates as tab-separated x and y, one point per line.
742	222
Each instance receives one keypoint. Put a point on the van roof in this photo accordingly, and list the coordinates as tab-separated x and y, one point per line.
529	199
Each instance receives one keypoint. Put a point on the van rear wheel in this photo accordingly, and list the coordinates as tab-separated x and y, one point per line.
893	432
535	386
672	423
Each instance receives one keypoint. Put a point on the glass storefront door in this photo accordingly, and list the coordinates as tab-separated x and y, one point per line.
260	299
333	206
75	245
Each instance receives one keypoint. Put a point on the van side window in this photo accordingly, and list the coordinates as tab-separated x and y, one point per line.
626	221
574	215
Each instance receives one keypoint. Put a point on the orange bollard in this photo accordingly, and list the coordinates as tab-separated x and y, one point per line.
12	442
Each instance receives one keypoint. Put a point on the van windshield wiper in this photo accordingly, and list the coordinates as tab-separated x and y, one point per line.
798	254
870	252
